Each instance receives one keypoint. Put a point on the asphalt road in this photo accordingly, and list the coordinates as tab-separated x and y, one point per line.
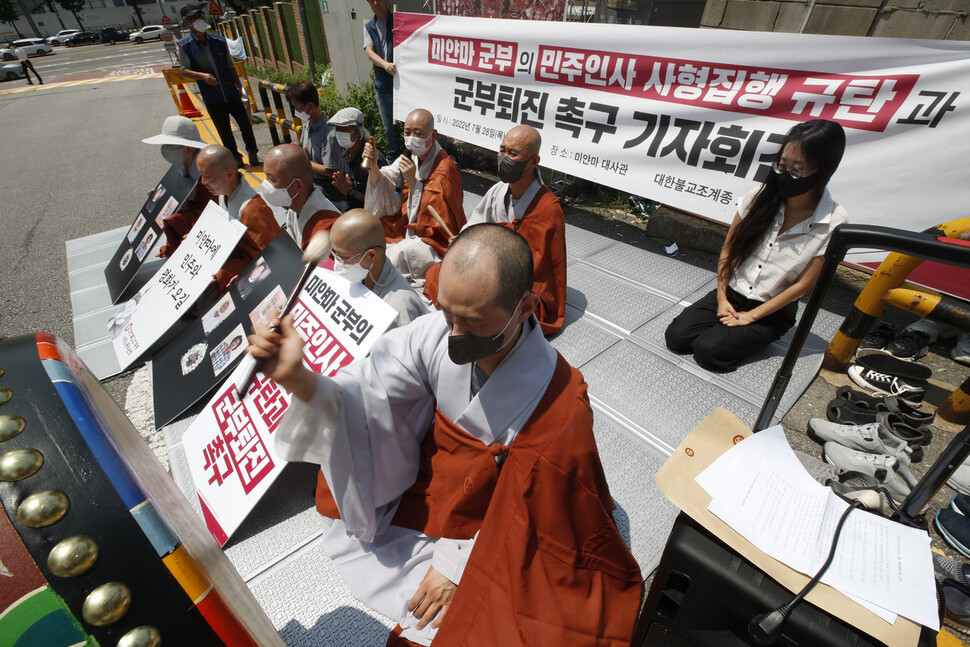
94	61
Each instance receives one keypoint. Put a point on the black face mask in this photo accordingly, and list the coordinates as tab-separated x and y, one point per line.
510	170
789	187
467	348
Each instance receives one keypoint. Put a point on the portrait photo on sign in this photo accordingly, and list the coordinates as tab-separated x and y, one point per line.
135	228
125	259
146	244
157	193
268	308
246	284
193	357
228	349
217	314
121	317
170	206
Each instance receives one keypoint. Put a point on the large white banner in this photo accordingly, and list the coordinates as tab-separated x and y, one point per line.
230	444
176	286
693	117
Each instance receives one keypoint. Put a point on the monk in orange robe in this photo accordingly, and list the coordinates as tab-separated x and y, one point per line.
289	185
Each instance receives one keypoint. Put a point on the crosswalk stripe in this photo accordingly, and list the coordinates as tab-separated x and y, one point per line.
70	84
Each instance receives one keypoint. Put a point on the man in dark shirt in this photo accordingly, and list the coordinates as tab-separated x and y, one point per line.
379	45
346	144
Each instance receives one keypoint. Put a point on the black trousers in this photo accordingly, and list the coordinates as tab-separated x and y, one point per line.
27	65
220	113
717	347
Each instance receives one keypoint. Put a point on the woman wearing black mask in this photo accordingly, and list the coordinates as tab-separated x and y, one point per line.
772	255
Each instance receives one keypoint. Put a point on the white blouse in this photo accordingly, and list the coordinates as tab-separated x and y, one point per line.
779	259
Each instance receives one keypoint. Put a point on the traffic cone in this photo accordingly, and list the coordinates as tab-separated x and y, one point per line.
188	110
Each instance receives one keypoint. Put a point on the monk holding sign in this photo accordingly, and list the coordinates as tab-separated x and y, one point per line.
460	484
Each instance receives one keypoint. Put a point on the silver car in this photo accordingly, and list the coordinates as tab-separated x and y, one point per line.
11	71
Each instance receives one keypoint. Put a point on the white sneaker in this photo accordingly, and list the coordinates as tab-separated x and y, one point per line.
888	470
961	350
871	437
960	479
884	384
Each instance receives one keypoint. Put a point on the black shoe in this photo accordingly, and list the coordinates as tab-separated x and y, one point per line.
253	157
239	159
910	345
912	372
876	340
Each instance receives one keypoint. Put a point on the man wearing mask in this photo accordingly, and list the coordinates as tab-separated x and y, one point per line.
522	202
219	173
289	185
379	45
358	255
314	134
346	142
205	58
402	193
180	145
460	489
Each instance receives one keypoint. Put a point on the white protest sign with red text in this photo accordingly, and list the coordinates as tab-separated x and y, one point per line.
693	117
229	446
176	286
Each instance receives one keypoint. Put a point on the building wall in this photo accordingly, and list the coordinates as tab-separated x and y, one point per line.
100	13
929	19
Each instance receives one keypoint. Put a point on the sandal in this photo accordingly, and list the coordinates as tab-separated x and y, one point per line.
889	403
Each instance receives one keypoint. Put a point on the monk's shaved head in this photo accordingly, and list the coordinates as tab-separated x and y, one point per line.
421	117
216	158
287	162
356	231
504	252
523	138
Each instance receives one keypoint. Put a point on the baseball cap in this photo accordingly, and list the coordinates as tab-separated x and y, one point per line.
192	9
347	117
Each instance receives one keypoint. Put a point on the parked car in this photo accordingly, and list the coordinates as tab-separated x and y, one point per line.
83	38
149	32
33	47
61	36
11	71
111	35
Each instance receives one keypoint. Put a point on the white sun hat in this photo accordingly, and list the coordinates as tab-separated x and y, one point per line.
180	131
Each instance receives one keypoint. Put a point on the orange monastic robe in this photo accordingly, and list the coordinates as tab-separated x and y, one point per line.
177	226
549	566
544	228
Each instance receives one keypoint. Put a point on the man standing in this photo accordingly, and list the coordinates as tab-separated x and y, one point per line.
346	145
357	240
221	176
26	65
314	133
205	58
379	45
402	192
289	185
522	202
460	484
180	145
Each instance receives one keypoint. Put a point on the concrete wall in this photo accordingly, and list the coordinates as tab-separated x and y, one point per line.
930	19
93	19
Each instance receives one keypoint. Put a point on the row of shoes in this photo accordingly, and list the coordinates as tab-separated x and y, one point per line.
913	342
876	437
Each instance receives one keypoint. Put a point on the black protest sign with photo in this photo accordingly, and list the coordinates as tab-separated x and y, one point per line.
164	200
206	352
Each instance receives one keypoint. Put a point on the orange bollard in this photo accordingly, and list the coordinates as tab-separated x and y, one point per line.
185	103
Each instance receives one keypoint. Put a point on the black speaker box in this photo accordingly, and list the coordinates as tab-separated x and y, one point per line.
704	594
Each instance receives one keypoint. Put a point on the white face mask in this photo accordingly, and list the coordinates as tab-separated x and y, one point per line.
353	272
416	145
344	139
275	197
173	154
200	25
302	116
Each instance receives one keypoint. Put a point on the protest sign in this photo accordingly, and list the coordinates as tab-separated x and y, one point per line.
188	367
164	200
230	445
183	278
693	117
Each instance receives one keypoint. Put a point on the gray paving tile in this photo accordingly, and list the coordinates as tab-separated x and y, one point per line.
470	201
643	513
581	243
668	275
657	393
310	604
580	341
612	299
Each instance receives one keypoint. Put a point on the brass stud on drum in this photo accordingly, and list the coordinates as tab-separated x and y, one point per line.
43	508
5	395
73	556
18	464
143	636
106	604
10	426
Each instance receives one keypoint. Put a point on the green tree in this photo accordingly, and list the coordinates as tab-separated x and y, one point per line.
9	14
134	4
50	5
73	6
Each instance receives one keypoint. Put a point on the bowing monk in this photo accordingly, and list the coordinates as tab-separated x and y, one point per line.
402	192
461	490
523	202
289	185
220	175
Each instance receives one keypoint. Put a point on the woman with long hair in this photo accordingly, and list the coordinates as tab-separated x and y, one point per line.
772	255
